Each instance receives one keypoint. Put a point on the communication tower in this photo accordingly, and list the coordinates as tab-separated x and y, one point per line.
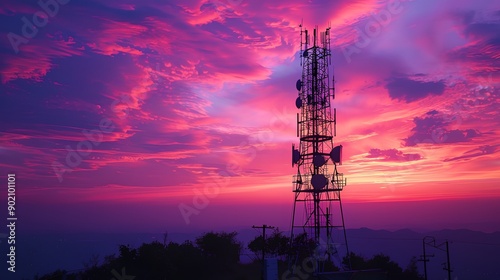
317	209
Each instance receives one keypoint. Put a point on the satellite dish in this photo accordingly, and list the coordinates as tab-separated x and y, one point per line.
298	85
295	156
318	160
336	154
319	181
298	102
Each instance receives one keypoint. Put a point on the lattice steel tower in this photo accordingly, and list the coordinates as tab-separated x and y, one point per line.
318	184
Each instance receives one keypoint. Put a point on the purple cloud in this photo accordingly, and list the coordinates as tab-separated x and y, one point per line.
432	128
411	90
392	155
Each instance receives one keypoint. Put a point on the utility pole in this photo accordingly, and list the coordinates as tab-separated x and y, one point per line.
448	261
432	243
263	227
424	258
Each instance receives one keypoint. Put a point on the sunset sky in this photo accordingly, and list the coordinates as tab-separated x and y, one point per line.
115	114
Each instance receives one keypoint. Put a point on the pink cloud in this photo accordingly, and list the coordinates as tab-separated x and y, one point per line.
36	58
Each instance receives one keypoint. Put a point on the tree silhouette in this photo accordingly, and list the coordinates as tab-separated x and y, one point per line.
151	259
181	258
216	256
357	262
220	247
383	262
127	255
276	245
411	271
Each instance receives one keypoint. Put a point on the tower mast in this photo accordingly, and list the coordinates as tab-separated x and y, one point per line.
317	184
